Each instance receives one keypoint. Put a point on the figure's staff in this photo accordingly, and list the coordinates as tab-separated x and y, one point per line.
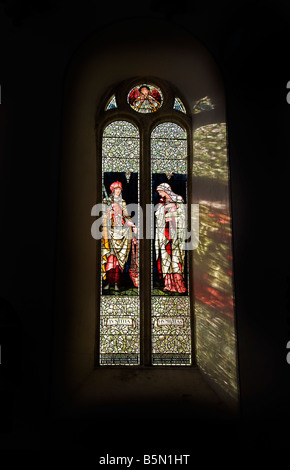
107	198
119	211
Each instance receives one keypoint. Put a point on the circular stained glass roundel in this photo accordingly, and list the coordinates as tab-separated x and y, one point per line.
145	98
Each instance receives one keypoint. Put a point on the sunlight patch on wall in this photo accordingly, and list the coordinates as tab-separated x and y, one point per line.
213	269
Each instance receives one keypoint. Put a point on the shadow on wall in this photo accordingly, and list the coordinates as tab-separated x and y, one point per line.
10	363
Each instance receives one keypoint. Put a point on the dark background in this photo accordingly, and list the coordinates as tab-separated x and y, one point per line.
250	42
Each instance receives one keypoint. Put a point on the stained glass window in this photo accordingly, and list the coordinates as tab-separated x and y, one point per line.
169	149
120	331
164	323
145	98
112	103
120	149
119	312
171	337
179	105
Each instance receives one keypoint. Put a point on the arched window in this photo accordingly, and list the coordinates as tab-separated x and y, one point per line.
143	133
119	310
171	319
145	146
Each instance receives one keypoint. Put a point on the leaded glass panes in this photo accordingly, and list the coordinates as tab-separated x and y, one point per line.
169	271
178	105
145	98
120	331
119	325
171	331
169	149
120	148
170	318
112	103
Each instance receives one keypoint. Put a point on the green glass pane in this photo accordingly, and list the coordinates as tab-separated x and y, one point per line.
121	129
171	331
120	331
169	149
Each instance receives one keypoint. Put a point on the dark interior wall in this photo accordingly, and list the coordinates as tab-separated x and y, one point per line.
250	42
